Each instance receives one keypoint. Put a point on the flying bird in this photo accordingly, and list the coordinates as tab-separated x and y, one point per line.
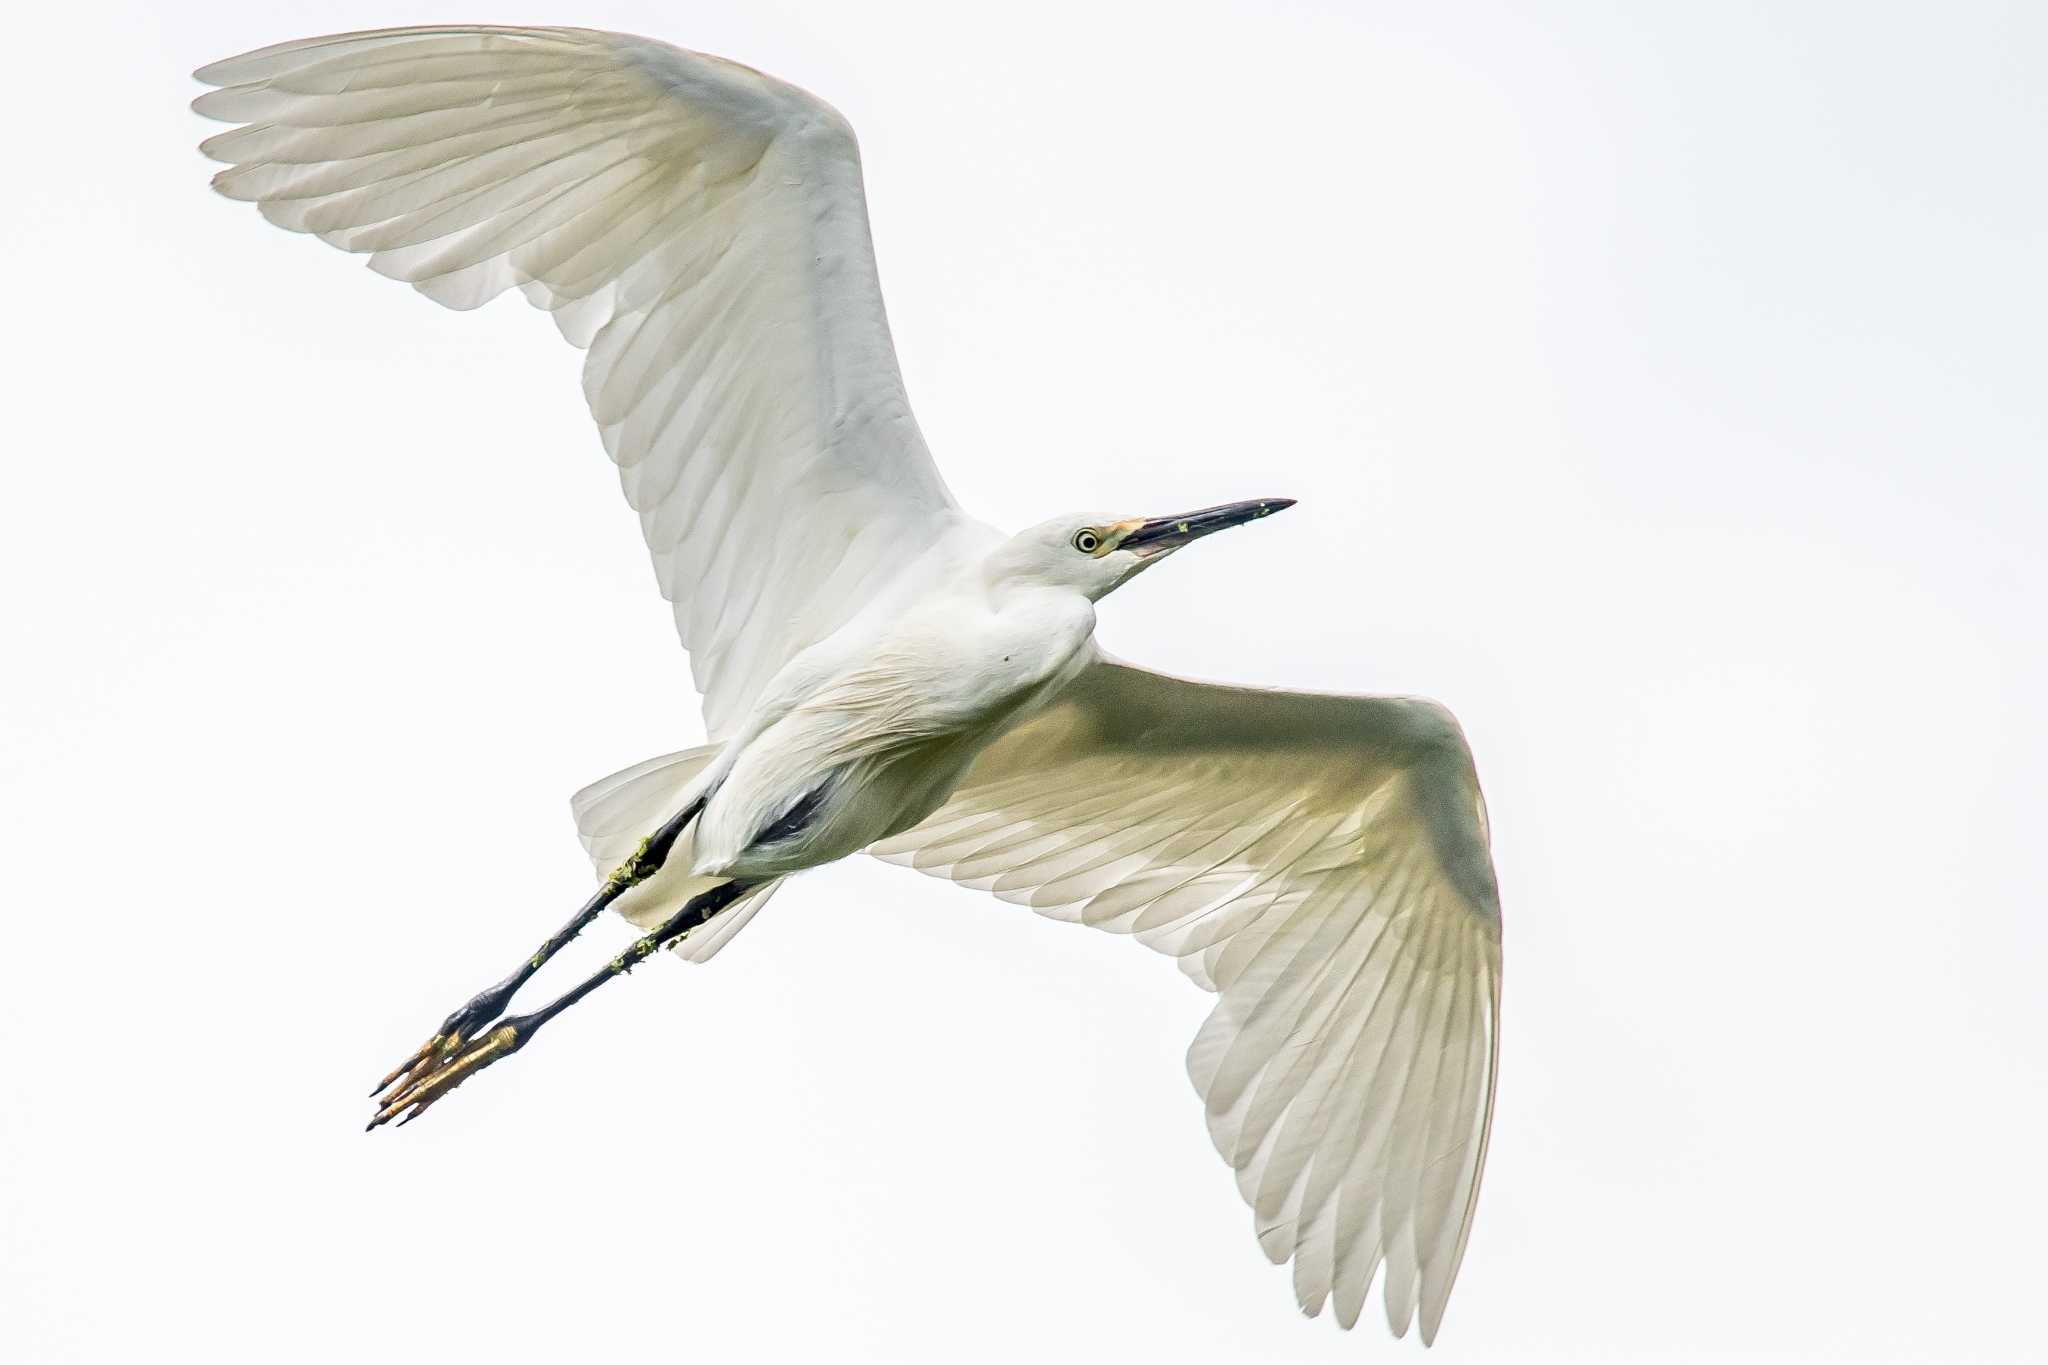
882	672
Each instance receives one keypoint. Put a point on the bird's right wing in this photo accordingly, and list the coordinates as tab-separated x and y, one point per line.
1321	863
700	227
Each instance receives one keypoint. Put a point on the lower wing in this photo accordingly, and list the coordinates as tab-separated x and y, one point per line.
1321	863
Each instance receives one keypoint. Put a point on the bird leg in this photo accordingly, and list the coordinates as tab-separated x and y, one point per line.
467	1022
454	1067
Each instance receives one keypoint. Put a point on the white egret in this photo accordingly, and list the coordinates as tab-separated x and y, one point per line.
882	672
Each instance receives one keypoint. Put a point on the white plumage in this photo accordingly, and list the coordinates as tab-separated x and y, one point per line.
881	671
697	226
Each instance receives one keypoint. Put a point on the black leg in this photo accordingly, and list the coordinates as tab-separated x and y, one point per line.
512	1034
487	1004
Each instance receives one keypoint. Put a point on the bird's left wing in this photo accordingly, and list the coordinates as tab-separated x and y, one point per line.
1321	862
699	226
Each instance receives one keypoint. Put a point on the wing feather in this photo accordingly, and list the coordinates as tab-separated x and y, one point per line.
1320	863
698	227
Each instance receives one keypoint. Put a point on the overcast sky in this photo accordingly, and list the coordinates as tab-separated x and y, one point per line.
1663	389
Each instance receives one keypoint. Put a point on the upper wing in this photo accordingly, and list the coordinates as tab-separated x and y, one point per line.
698	226
1321	863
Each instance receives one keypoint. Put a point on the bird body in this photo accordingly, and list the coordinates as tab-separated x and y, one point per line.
870	729
881	671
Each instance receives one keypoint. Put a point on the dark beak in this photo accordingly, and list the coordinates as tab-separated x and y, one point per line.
1170	533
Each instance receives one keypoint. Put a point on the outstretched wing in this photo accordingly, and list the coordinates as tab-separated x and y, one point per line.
698	226
1321	863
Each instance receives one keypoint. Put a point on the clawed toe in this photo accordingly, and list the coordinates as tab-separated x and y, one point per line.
458	1028
437	1068
411	1069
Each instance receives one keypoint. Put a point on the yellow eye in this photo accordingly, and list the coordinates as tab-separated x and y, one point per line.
1087	541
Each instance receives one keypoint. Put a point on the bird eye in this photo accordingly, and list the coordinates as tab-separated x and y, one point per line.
1087	541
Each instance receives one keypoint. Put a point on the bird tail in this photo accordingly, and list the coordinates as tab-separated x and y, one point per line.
613	814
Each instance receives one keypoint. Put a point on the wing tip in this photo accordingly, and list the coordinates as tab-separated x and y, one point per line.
213	74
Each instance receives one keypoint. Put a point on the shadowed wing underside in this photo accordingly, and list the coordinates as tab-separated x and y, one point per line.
1321	863
700	227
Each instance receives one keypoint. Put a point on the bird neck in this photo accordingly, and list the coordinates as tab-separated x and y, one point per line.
1016	571
1008	591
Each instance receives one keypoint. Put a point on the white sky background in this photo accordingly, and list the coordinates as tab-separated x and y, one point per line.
1663	388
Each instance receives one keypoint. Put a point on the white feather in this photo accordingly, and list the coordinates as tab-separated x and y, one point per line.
1321	863
699	226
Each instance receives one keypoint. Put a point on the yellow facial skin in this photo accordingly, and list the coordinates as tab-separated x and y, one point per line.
1117	532
1110	536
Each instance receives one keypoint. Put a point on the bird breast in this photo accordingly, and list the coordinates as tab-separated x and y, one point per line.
876	739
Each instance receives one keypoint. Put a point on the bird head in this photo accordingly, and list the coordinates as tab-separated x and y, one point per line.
1094	554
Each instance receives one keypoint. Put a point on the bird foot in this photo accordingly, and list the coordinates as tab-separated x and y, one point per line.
438	1067
445	1047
